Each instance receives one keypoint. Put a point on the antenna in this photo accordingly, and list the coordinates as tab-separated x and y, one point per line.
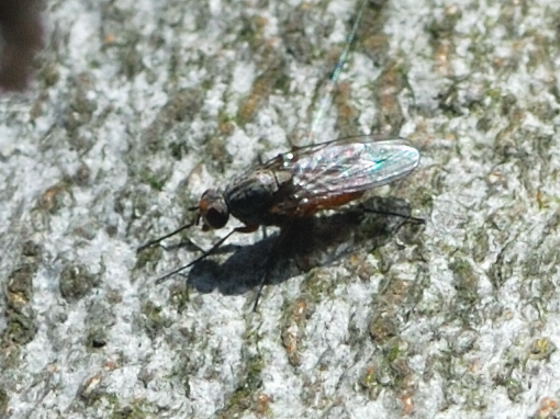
327	96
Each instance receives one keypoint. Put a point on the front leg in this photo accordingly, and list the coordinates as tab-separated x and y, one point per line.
206	253
271	260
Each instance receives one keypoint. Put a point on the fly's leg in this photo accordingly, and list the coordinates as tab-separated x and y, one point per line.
160	239
409	218
206	253
269	264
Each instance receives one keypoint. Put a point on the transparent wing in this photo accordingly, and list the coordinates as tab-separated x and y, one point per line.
344	167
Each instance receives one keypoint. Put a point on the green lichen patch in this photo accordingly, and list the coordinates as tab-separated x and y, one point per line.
55	197
154	320
247	396
541	349
75	282
20	286
4	403
389	370
292	330
262	88
21	328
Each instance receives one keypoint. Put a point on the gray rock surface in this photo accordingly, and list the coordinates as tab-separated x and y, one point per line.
139	106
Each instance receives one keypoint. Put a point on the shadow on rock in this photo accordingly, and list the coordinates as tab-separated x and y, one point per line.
302	245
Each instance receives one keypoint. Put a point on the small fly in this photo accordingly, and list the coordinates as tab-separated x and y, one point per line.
300	183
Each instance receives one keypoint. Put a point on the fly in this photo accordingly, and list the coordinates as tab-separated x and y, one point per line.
298	184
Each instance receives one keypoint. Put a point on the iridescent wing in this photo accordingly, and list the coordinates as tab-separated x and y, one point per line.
323	172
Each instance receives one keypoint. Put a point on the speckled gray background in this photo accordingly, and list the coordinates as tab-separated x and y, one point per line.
139	106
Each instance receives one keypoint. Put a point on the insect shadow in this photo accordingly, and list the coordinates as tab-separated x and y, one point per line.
304	244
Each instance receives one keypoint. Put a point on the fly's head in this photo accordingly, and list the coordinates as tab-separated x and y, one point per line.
213	209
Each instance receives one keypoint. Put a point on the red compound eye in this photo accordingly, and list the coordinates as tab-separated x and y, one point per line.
213	209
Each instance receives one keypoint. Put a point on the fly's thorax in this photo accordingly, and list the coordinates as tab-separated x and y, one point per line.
250	197
213	209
